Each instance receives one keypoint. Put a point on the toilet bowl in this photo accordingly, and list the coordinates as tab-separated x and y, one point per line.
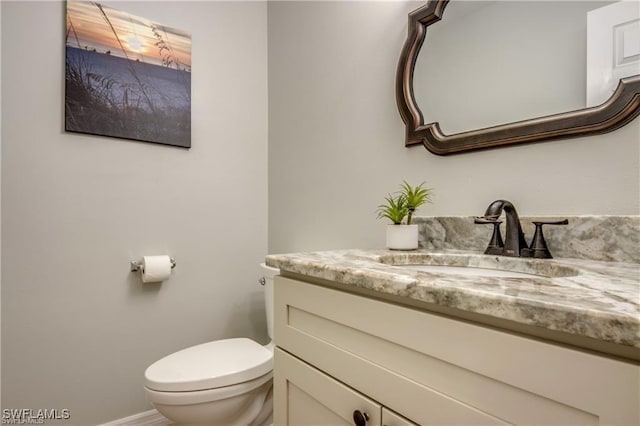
224	382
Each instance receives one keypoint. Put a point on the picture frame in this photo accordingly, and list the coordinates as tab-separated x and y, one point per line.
126	76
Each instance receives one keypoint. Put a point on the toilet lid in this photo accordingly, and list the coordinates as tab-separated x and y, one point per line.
210	365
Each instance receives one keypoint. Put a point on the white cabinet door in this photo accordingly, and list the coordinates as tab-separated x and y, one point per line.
306	396
389	418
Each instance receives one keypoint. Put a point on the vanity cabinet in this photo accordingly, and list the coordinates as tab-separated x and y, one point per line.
338	352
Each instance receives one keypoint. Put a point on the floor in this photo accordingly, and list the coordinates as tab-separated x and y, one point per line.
148	418
156	420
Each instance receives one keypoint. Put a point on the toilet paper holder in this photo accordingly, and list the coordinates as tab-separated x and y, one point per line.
136	265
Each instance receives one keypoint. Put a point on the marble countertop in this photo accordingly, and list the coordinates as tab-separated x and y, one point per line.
589	299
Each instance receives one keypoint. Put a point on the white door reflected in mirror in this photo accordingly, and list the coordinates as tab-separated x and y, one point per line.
613	48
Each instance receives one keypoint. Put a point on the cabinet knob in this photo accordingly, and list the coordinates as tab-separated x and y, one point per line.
360	418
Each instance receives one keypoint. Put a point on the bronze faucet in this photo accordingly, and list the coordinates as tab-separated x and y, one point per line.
515	244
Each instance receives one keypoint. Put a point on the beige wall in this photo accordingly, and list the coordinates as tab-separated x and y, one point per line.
336	139
78	329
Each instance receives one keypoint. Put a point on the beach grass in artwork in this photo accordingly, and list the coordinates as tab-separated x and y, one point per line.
126	76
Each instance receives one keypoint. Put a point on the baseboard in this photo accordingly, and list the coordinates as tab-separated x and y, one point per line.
147	418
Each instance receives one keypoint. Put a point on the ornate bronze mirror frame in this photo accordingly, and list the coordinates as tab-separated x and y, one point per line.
622	107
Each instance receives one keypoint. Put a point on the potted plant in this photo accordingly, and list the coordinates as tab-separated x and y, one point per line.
399	235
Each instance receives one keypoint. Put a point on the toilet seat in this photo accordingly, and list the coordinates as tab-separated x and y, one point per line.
209	366
207	395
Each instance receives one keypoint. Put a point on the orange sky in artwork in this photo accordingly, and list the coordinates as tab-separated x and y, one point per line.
94	26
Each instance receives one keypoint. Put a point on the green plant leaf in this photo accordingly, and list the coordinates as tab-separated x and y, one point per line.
395	209
415	197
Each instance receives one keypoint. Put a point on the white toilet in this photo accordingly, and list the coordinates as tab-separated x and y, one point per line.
225	382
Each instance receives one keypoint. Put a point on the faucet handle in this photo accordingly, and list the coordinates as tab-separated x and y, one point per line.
496	245
482	220
538	247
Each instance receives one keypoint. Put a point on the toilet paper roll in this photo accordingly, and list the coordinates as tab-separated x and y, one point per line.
155	268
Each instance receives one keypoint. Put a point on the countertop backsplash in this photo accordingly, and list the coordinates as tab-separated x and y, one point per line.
601	238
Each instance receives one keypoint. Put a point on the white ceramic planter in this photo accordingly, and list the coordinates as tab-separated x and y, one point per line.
402	237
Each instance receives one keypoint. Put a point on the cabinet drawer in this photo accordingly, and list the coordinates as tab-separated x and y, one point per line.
306	396
435	370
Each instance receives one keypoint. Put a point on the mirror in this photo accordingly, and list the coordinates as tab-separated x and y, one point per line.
469	79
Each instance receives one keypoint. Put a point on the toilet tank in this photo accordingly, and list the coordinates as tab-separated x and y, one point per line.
269	273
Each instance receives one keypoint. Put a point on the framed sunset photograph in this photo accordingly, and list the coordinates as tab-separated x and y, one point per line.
126	76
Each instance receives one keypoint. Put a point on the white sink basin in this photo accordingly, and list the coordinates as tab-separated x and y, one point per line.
467	270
